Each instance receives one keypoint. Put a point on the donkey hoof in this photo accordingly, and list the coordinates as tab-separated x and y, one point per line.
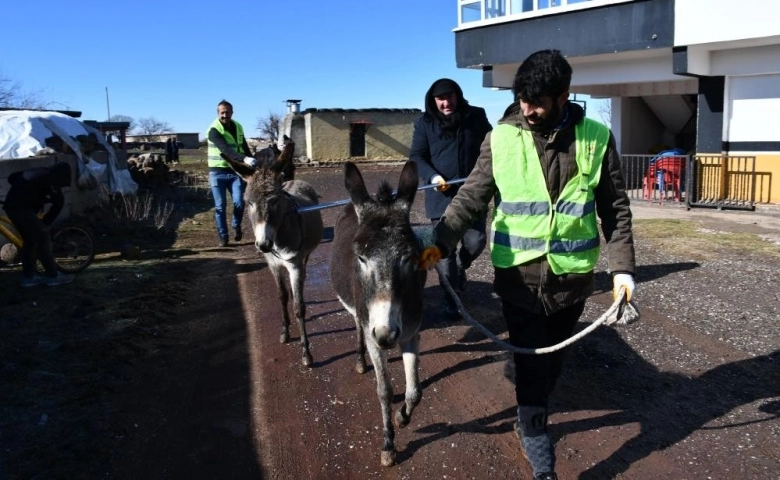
401	419
307	360
360	367
388	458
284	338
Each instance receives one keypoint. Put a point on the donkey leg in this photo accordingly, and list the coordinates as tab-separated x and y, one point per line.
360	365
410	352
297	279
284	296
384	390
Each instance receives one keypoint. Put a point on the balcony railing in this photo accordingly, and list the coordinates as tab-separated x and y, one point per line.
473	13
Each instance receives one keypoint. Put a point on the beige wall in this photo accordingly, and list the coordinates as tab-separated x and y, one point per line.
389	136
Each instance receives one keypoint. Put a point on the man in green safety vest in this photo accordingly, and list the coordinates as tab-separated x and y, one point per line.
226	137
550	171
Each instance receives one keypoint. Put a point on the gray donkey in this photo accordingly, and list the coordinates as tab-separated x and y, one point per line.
285	236
373	268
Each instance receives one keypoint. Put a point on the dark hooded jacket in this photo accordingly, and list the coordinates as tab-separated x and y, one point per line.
446	146
32	188
533	286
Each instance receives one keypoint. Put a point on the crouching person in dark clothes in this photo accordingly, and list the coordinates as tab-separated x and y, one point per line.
30	191
550	171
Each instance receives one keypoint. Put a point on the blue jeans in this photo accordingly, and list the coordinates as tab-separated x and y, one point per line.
221	182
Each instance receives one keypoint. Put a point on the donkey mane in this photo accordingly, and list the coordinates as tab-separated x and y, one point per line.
384	194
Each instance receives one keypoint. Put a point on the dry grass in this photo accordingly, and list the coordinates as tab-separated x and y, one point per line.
693	240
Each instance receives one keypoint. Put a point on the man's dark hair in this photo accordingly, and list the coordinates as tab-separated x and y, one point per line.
544	73
226	103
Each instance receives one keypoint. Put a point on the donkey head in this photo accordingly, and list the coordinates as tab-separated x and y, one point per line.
387	280
267	203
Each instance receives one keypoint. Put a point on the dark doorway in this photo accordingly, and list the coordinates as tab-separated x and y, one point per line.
357	139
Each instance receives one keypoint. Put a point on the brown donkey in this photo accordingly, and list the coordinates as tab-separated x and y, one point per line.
284	236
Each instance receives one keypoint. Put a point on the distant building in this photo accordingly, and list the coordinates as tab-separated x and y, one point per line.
188	140
357	134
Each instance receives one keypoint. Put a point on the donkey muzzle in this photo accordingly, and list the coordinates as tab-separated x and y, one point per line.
264	247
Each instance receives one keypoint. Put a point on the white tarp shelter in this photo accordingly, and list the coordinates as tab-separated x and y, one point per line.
23	134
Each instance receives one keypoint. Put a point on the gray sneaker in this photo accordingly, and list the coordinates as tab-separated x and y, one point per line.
60	279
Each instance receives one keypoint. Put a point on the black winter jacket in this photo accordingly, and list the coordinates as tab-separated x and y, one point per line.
32	188
451	156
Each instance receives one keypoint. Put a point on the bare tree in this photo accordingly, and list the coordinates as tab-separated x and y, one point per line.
149	128
605	111
268	127
13	96
124	118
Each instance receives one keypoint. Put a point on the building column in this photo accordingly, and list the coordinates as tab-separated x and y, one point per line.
709	131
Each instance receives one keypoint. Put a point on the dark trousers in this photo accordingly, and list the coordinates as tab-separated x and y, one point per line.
460	259
37	243
535	375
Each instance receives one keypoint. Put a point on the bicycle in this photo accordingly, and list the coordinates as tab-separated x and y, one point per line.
72	246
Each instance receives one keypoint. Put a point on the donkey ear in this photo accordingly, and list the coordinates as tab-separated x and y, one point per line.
407	184
244	170
354	183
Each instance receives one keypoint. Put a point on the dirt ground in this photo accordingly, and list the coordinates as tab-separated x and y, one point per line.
162	360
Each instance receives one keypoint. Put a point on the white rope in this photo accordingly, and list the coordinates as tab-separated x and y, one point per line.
613	310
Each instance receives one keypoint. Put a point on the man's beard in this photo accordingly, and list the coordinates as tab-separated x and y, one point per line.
546	123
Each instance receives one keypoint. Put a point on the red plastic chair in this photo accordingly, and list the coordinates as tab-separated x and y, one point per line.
673	169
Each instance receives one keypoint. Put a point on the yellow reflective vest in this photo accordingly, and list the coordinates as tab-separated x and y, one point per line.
526	225
213	153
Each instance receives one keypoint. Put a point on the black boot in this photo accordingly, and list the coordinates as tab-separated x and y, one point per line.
449	309
462	279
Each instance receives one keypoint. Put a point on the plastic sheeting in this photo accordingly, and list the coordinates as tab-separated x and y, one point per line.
23	134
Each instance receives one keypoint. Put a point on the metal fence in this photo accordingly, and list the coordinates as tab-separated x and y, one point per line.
719	181
722	181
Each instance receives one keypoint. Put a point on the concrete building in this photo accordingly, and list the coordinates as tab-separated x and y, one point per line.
700	75
357	134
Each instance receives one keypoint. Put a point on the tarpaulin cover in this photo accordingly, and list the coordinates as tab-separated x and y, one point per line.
23	134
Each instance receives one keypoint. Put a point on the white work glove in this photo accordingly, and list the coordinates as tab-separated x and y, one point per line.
623	280
251	161
627	312
438	179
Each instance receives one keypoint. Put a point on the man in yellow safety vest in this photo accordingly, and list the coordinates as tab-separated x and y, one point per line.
550	171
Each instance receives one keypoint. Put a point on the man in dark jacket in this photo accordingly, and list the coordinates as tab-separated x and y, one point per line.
445	146
30	190
550	171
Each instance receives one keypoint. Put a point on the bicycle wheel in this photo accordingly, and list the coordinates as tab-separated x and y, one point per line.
73	249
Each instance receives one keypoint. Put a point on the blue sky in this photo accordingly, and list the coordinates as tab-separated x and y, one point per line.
175	60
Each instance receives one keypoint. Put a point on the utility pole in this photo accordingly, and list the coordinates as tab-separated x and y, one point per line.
108	109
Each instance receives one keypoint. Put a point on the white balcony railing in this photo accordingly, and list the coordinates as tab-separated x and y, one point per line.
472	13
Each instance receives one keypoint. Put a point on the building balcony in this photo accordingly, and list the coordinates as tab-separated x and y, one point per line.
477	13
